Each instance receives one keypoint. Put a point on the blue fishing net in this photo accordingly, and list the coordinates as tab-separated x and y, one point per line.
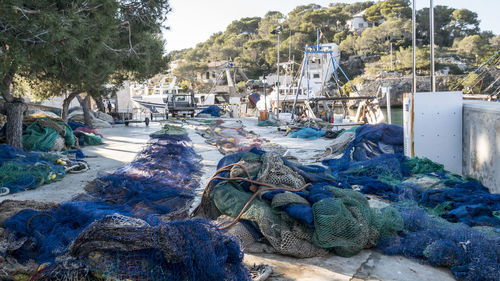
21	170
117	230
213	110
469	253
370	141
75	125
374	162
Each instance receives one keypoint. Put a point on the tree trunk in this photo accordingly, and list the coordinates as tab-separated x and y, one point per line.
65	105
86	110
15	112
14	109
100	104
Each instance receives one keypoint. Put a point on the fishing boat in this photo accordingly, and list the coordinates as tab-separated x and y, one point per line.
316	91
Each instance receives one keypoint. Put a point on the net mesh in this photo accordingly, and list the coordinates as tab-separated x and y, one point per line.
41	135
21	170
306	223
439	217
117	229
468	252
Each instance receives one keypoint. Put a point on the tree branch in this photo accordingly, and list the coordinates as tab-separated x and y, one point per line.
25	11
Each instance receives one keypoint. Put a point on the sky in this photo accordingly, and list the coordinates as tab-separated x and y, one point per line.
193	21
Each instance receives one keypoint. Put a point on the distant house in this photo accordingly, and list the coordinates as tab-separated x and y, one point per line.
358	23
214	69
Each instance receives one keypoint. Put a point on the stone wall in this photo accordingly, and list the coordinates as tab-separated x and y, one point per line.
401	85
481	142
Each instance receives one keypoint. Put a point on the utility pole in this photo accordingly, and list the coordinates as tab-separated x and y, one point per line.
414	84
390	43
414	39
278	80
277	30
431	34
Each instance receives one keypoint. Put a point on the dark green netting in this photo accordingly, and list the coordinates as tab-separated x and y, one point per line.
42	134
303	223
21	170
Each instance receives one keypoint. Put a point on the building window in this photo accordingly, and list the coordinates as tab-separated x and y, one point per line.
208	75
316	75
361	25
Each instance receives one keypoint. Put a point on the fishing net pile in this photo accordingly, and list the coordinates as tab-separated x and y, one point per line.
117	230
449	220
161	180
85	135
46	134
21	170
98	119
268	123
228	136
373	162
298	216
213	111
470	253
434	216
307	133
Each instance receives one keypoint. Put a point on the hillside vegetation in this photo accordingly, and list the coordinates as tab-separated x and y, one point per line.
251	45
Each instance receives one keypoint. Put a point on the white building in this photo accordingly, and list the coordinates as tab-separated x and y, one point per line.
358	23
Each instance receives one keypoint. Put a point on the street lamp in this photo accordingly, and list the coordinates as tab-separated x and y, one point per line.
278	30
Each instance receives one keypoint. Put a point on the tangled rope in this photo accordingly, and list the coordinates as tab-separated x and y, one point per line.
253	188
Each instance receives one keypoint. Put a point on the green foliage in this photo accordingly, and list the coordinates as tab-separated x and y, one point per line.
241	87
388	10
36	89
357	7
347	87
188	72
375	40
81	45
467	82
245	25
463	23
442	19
340	36
476	47
402	61
250	44
349	45
495	42
38	35
252	58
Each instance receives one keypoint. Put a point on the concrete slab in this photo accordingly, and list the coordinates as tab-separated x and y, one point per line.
382	267
314	269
